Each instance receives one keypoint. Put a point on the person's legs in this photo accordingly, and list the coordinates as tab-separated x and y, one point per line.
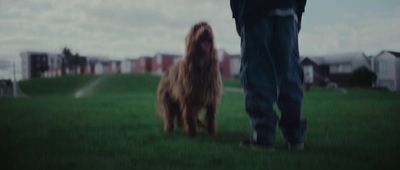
290	93
258	77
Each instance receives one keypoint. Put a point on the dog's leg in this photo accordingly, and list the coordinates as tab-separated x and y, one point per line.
169	122
179	119
169	118
175	109
190	119
210	119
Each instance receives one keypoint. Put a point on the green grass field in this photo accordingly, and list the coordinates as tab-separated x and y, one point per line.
115	126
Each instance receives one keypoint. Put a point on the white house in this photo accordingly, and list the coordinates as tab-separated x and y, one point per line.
127	66
386	65
98	68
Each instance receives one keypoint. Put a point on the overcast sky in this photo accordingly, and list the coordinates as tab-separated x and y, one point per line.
131	28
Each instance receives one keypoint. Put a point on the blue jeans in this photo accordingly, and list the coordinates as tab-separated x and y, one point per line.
270	73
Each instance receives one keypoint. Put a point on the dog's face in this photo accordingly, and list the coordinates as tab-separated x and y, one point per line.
200	39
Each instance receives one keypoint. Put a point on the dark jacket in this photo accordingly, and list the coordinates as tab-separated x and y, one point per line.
248	10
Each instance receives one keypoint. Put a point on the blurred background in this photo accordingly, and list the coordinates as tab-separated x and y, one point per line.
122	29
89	71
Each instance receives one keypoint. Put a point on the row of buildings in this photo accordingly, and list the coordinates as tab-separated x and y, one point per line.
337	69
43	64
318	70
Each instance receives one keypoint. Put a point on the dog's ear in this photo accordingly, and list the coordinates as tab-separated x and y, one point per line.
192	32
189	39
188	42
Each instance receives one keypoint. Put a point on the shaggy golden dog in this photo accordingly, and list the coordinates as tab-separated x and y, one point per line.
192	84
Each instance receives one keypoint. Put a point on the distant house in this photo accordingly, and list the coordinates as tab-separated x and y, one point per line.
43	64
55	65
162	62
34	64
138	66
99	68
109	67
97	65
115	67
105	67
386	65
235	65
224	60
333	68
81	66
315	72
91	65
229	64
142	64
127	66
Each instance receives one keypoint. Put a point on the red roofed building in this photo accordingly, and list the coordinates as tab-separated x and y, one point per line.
142	65
162	62
229	64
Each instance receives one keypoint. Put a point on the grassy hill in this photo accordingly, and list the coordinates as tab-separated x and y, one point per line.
56	86
113	125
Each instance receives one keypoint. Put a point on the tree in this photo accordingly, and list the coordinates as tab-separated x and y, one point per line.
362	77
75	61
71	60
67	56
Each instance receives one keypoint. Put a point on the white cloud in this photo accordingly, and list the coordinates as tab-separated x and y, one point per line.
370	34
127	28
118	28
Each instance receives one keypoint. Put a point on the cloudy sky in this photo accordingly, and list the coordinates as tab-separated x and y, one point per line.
131	28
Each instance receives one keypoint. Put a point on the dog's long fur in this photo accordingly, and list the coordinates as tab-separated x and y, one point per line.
192	84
